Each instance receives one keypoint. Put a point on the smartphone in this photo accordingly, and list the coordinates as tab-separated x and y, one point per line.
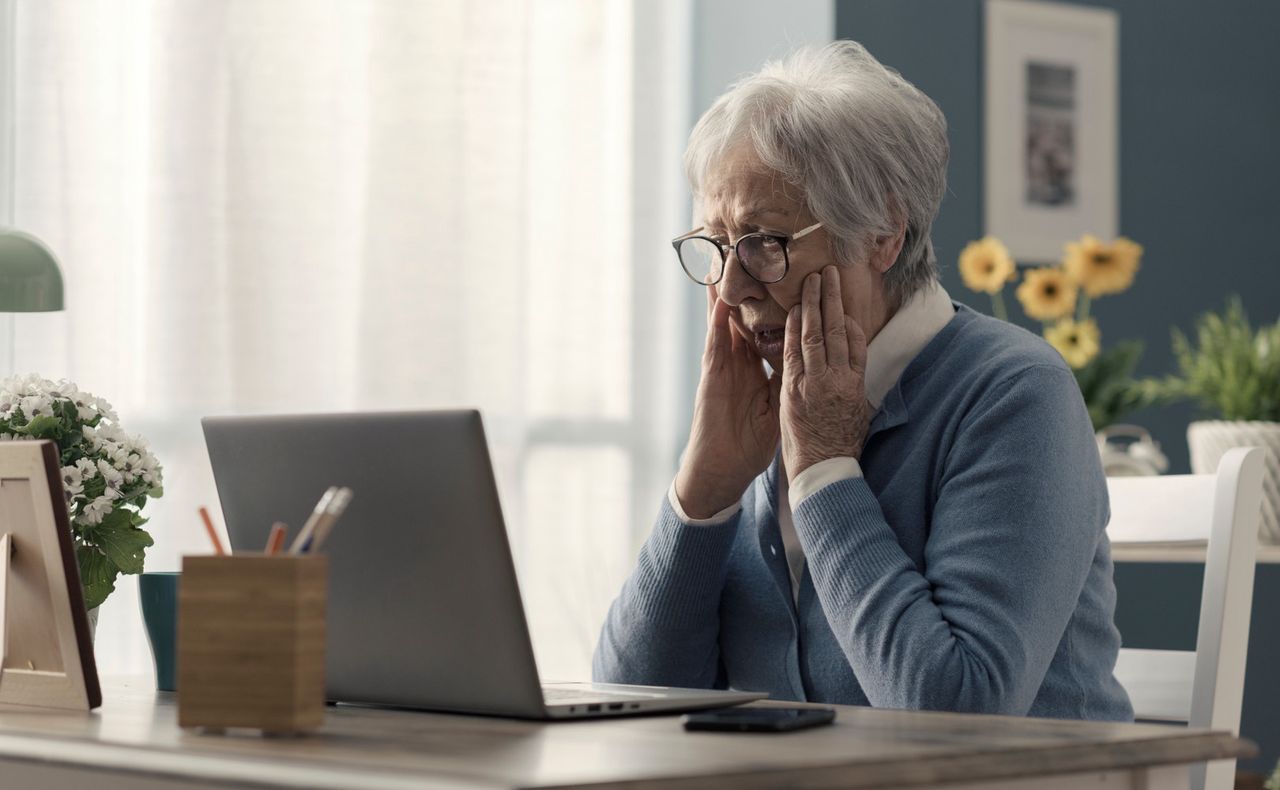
742	719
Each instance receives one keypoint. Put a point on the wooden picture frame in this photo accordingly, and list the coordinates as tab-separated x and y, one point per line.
46	652
1051	136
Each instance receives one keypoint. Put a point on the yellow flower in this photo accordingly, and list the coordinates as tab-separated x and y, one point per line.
1047	294
1077	342
986	265
1102	268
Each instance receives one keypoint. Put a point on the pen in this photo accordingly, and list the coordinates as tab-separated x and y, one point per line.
213	533
304	536
336	508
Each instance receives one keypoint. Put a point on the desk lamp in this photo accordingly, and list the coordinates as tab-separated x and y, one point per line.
30	282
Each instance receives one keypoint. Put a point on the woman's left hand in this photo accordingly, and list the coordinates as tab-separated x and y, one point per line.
824	411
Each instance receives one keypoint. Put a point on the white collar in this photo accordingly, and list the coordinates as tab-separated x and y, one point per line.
907	333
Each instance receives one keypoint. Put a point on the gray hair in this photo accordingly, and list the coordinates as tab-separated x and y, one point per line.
867	148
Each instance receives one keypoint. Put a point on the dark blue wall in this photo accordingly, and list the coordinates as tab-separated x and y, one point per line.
1199	157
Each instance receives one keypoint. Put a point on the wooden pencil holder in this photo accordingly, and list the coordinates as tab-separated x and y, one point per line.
251	642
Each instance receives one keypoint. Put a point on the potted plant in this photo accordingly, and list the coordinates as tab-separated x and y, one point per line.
107	475
1233	372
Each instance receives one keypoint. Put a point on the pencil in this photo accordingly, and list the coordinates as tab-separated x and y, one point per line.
276	540
213	533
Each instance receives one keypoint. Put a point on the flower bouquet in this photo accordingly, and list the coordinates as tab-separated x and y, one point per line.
107	474
1060	297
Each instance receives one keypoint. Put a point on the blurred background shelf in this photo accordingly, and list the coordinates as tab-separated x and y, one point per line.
1179	552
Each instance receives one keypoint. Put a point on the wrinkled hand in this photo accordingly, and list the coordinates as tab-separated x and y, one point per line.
824	411
735	430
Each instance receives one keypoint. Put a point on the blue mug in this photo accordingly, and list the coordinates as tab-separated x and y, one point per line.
159	593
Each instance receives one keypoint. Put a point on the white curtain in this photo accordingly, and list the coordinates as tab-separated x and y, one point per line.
297	206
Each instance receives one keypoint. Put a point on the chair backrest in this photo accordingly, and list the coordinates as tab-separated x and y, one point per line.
1204	688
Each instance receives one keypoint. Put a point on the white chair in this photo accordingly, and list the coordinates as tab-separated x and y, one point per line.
1204	688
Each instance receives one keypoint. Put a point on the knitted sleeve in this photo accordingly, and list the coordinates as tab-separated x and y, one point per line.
663	629
1019	511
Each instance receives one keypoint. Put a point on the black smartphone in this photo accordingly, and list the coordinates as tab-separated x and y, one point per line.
742	719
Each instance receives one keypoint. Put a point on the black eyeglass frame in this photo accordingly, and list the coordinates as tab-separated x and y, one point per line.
782	241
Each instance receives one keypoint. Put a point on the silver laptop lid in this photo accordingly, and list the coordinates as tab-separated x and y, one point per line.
424	609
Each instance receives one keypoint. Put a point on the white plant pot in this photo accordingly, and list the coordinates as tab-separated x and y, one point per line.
1209	440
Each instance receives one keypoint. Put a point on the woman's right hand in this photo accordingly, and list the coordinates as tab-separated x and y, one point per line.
735	430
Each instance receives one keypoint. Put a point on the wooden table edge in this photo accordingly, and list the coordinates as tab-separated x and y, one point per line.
944	769
1161	746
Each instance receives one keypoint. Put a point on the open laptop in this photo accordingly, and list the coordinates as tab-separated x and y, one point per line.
424	610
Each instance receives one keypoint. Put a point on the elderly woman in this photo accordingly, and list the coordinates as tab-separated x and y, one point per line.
909	511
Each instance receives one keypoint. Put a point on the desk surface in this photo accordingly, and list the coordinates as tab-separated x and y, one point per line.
135	731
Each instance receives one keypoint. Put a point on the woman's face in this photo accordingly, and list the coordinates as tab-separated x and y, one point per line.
743	196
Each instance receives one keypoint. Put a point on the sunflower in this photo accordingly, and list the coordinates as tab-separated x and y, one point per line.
1100	268
1047	294
1077	342
986	265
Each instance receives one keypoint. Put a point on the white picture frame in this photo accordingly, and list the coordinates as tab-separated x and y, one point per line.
46	651
1051	161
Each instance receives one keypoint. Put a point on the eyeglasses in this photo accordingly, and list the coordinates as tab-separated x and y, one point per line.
763	256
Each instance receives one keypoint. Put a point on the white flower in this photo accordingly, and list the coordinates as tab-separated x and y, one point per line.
132	467
150	468
72	480
95	511
105	409
36	406
119	457
110	435
15	388
88	469
91	438
114	478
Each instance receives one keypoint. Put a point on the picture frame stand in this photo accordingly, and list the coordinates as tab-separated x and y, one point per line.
46	651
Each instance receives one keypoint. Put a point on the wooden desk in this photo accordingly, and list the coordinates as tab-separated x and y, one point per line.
133	742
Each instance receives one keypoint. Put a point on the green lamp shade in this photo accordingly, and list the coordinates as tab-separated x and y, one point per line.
30	281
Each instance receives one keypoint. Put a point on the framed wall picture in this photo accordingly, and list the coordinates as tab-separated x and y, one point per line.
46	653
1052	126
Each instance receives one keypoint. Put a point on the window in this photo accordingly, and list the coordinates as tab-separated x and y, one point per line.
277	207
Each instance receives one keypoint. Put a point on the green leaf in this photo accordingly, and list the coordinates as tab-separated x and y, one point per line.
97	575
43	427
122	542
1232	370
67	408
129	494
94	488
1108	387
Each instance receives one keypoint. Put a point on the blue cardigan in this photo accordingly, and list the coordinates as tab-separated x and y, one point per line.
967	571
